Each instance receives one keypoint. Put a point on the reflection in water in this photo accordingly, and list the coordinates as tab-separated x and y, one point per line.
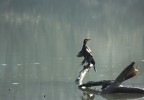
90	94
39	40
87	96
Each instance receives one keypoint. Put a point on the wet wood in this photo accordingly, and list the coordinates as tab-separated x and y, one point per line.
113	86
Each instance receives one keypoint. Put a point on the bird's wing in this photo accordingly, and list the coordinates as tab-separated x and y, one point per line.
88	50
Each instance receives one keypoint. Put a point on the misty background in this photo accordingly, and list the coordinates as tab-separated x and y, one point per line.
39	39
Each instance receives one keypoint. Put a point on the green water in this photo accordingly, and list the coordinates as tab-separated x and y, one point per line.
39	41
36	83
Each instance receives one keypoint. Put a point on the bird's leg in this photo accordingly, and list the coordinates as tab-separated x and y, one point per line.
94	68
90	62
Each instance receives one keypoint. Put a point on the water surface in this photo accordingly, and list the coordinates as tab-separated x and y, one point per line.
39	41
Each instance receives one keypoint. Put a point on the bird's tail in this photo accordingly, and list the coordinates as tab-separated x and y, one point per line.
94	68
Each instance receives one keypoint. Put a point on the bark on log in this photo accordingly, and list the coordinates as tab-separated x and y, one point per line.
82	74
129	72
113	86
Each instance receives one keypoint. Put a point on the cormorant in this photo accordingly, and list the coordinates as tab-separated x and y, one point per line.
87	54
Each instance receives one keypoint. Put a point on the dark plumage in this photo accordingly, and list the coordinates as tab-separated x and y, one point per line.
87	54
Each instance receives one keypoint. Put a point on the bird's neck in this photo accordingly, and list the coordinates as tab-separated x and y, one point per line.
84	43
84	46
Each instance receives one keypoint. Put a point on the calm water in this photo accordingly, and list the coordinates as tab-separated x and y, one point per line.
39	41
34	83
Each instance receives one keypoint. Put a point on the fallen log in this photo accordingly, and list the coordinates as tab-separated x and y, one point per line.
121	94
82	74
129	72
102	83
114	86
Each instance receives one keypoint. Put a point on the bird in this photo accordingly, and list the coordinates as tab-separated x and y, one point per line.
85	49
87	54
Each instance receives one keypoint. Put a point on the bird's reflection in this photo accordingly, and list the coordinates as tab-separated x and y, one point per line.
87	96
90	94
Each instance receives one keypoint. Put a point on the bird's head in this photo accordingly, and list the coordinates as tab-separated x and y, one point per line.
86	40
